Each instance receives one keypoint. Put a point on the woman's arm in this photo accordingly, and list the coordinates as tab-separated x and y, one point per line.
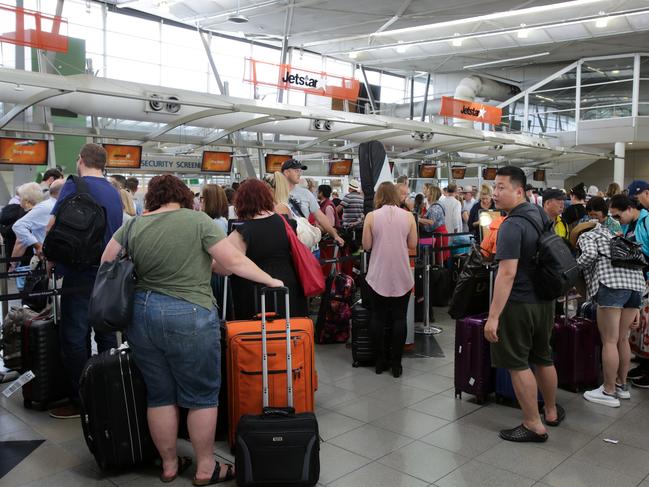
112	251
367	231
412	234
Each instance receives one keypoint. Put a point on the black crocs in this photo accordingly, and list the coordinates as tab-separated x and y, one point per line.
561	415
521	434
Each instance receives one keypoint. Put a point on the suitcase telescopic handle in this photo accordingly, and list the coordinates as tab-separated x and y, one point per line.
264	354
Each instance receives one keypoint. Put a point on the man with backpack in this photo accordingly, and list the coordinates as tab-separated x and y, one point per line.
521	318
84	218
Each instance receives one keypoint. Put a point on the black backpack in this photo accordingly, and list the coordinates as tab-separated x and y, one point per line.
555	268
77	236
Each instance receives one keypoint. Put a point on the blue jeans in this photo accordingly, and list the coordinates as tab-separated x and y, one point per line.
176	346
74	331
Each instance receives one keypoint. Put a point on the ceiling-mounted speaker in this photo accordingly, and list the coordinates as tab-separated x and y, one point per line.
172	107
155	103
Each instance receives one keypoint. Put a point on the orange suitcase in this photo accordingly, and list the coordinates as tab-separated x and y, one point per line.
243	347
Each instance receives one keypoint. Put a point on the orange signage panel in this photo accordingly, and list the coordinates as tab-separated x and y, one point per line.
477	112
289	77
342	167
274	161
123	156
216	162
34	29
427	170
458	172
23	151
489	173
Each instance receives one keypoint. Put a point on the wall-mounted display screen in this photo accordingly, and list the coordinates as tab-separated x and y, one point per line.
23	151
343	167
427	170
123	156
458	172
539	175
489	173
216	162
274	161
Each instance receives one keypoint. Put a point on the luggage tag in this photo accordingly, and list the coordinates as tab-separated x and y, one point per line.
18	383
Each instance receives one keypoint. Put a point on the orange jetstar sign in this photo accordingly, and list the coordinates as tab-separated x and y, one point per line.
288	77
477	112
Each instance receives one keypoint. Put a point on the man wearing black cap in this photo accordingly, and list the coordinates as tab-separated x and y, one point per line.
302	200
553	204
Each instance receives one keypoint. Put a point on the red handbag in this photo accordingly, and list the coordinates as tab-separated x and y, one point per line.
306	265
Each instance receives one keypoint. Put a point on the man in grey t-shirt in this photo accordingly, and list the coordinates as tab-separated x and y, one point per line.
519	325
305	200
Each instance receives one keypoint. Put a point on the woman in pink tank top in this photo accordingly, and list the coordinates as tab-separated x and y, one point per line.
389	232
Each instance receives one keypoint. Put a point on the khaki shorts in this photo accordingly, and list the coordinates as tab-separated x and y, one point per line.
524	333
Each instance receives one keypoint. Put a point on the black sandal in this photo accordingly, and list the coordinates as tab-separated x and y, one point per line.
183	464
561	415
215	479
521	434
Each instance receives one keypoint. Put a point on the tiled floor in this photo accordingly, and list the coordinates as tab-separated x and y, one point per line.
380	431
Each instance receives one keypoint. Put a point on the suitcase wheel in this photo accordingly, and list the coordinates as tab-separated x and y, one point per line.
27	403
355	364
458	393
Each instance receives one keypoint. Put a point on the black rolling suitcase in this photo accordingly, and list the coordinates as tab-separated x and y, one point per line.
278	447
41	354
113	410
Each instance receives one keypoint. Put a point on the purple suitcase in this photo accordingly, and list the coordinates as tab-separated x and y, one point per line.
577	353
473	371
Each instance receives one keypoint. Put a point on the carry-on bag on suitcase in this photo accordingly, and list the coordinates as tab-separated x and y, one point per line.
114	410
12	336
335	313
244	383
278	447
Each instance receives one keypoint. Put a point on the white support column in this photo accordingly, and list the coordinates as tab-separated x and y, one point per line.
618	165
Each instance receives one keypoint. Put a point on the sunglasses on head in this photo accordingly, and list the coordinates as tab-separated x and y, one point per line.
616	217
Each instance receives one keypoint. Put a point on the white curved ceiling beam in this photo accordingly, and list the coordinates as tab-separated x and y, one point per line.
32	100
185	120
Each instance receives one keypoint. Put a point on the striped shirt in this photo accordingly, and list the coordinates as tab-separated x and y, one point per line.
595	262
352	205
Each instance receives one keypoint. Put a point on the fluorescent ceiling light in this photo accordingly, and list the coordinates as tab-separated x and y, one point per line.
523	33
499	61
546	98
457	42
601	23
353	55
402	49
616	71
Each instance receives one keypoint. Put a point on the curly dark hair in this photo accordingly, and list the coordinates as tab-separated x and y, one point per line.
252	198
167	189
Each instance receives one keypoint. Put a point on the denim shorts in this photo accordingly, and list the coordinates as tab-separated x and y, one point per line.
176	345
618	298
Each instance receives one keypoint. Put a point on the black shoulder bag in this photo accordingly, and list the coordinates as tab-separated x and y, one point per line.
111	301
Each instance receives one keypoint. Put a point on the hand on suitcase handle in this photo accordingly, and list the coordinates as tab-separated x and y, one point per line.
275	289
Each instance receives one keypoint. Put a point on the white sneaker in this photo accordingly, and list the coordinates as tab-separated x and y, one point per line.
622	391
598	396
